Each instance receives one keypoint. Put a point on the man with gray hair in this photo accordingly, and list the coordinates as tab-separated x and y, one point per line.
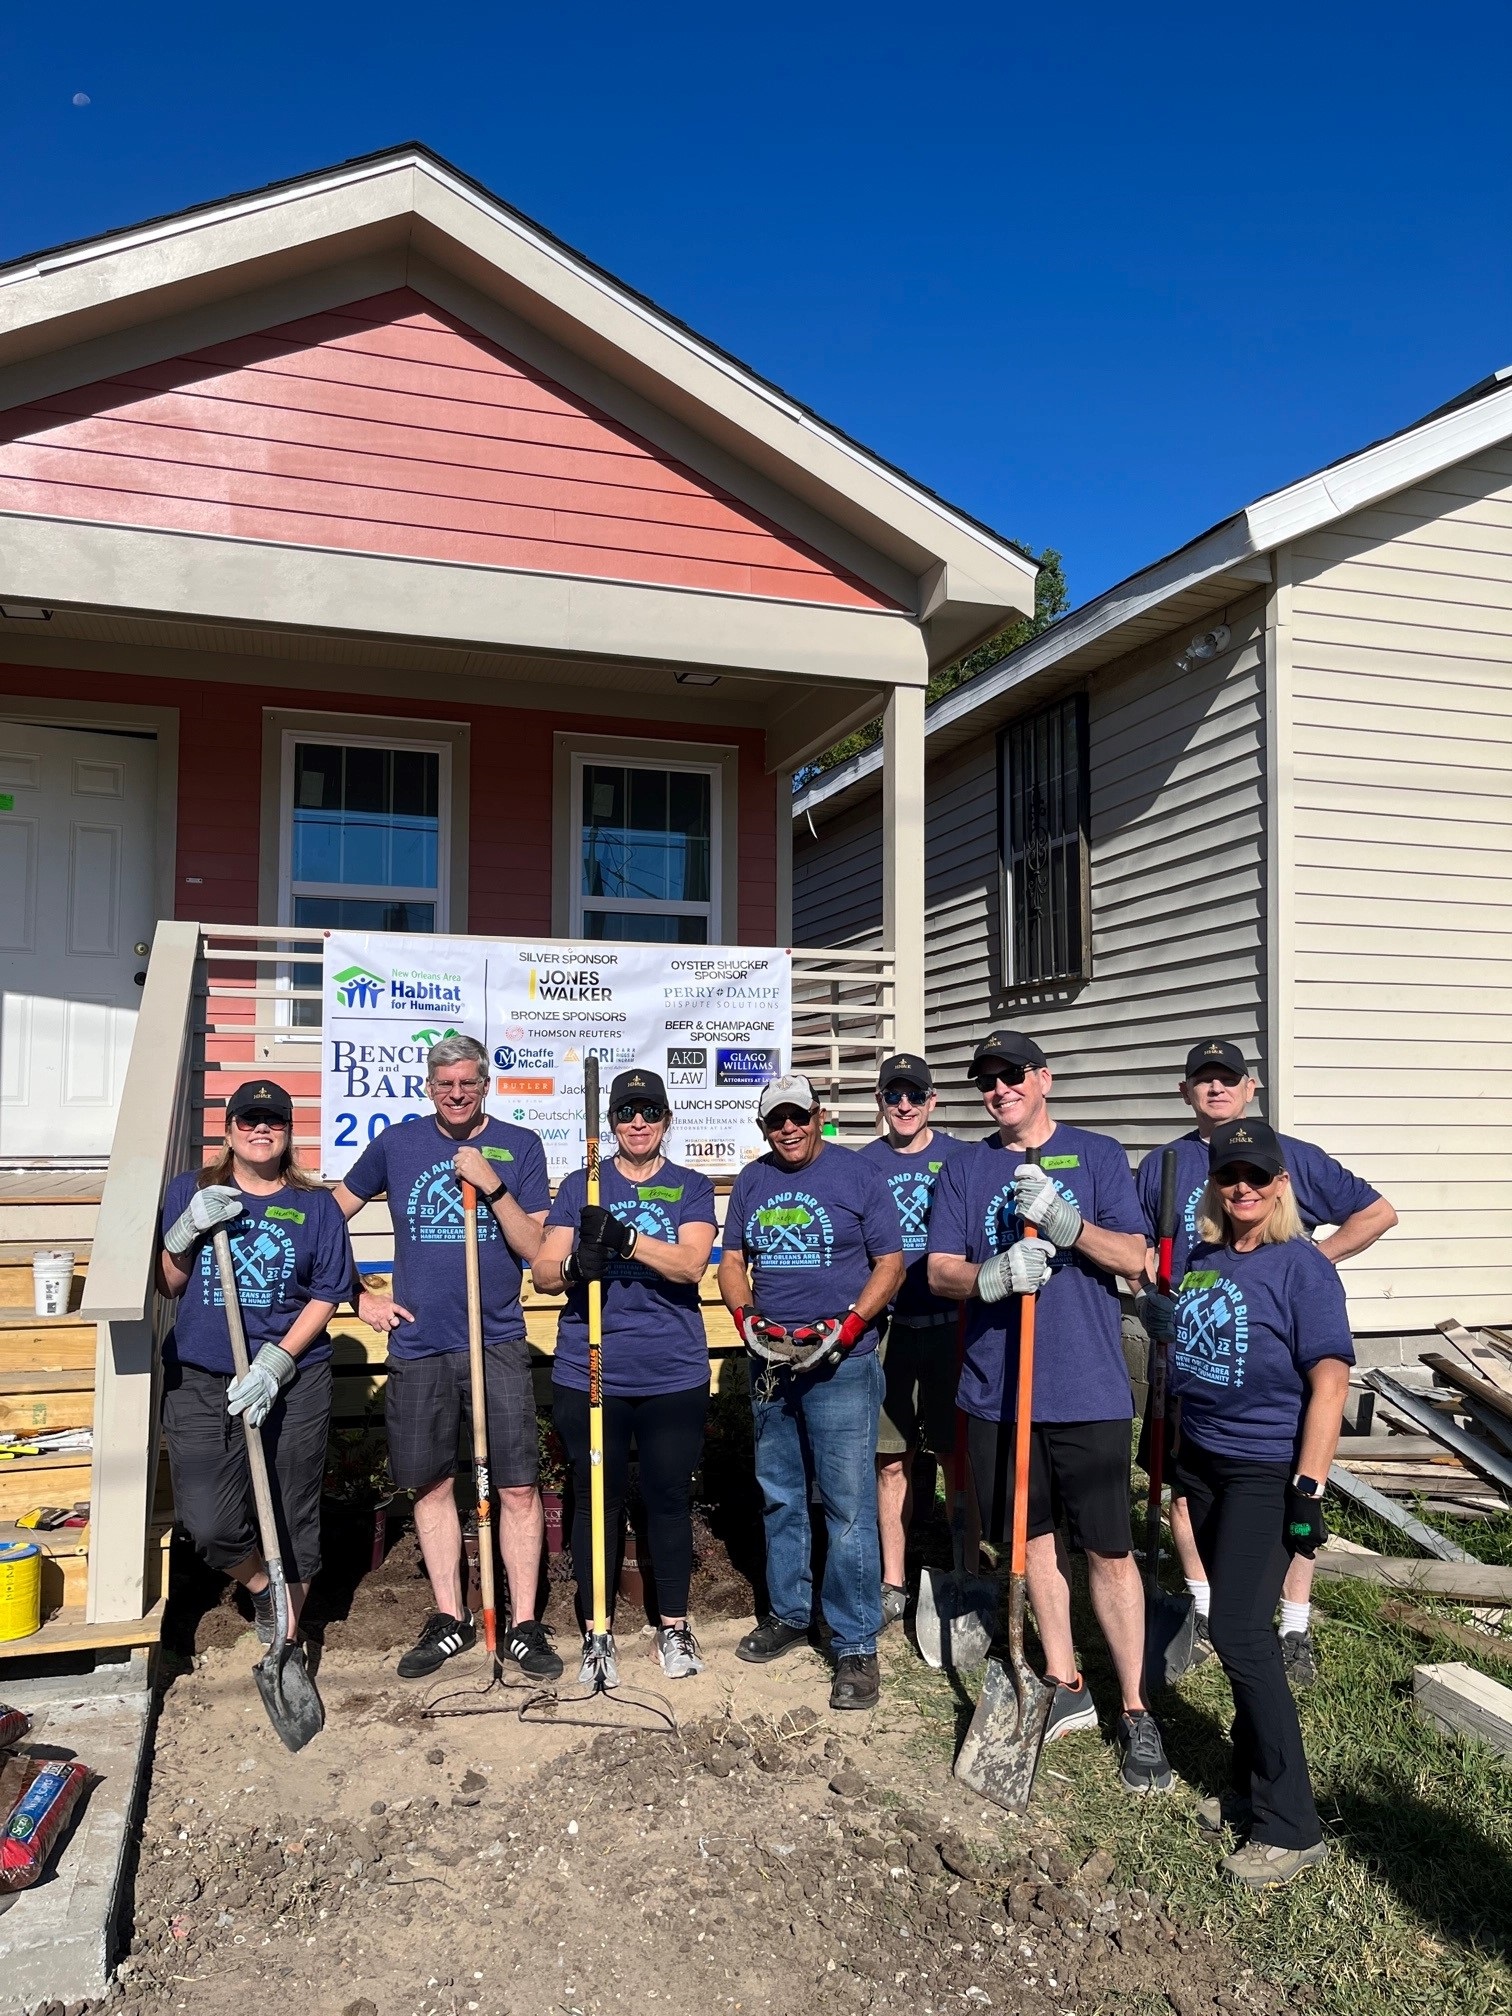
421	1166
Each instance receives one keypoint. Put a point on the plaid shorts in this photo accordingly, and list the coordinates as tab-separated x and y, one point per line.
430	1399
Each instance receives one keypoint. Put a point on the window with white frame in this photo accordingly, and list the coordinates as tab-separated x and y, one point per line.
364	833
645	850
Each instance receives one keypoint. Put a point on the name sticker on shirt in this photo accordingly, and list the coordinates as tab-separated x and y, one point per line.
658	1193
1201	1278
497	1155
1060	1162
285	1211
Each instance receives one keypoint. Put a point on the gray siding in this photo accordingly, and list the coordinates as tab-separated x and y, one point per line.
837	881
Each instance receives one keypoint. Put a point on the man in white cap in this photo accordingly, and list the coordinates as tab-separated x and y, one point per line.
813	1254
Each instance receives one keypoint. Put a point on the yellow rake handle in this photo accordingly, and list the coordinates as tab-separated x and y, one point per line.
595	1367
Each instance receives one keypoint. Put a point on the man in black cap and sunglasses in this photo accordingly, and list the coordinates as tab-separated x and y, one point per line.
1075	1189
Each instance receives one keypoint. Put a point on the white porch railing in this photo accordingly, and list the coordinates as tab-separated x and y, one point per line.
222	1003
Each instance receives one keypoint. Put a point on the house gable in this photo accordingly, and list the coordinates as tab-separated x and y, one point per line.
389	426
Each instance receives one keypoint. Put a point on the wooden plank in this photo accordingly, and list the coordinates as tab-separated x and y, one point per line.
1464	1581
1482	1644
1483	1390
67	1633
1490	1462
1350	1486
1391	1449
43	1480
45	1407
35	1350
1481	1357
1462	1702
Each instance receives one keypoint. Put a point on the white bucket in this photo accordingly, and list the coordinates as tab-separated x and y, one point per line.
52	1278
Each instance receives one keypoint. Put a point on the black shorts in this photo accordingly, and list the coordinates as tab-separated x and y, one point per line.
429	1400
1078	1479
918	1397
207	1459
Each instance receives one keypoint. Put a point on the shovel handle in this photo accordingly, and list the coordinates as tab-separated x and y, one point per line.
595	1368
482	1480
257	1462
1156	1411
1023	1420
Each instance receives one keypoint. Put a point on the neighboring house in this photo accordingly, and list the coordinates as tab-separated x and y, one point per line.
1261	790
369	557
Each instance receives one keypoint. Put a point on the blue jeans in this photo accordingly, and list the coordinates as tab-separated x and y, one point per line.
822	1426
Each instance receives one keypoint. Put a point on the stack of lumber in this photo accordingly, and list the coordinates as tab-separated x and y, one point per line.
1442	1429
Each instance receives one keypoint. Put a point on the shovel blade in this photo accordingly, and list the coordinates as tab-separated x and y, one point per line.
1002	1749
288	1693
1170	1631
954	1620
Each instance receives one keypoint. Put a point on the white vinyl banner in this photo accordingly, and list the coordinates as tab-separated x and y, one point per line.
715	1022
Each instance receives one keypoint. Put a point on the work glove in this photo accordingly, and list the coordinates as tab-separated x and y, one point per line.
1157	1311
216	1204
1022	1270
601	1226
586	1262
1041	1205
260	1385
1305	1530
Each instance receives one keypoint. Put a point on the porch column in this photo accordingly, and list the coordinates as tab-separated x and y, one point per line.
903	857
784	787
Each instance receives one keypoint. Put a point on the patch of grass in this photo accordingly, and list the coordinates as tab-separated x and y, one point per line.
1412	1913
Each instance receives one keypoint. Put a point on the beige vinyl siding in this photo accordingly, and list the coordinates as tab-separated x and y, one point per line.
1401	988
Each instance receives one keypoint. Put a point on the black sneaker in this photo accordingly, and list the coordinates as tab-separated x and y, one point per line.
1297	1657
770	1640
857	1682
1144	1767
1072	1709
442	1639
262	1614
530	1649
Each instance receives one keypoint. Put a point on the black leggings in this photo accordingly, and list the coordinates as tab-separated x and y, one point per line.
1239	1516
668	1431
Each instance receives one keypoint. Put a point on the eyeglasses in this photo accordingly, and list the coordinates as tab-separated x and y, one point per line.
896	1094
248	1123
790	1116
1235	1173
1007	1074
639	1109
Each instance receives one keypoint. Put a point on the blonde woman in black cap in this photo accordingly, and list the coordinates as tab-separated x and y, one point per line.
648	1242
293	1267
1260	1358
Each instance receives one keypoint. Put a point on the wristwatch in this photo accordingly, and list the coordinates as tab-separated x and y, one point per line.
492	1197
1308	1486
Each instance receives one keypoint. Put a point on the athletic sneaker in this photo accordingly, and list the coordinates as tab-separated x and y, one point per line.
770	1640
677	1649
599	1668
1072	1709
1202	1643
1297	1657
1144	1767
1229	1809
894	1604
262	1614
857	1682
1260	1865
442	1639
530	1649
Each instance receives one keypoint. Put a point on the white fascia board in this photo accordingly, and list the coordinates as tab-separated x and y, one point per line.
192	576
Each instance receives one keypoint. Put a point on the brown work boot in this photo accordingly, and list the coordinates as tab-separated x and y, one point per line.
858	1682
1261	1865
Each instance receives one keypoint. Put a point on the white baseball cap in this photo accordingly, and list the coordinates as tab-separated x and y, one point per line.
792	1090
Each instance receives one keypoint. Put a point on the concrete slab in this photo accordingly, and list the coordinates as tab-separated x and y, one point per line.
56	1941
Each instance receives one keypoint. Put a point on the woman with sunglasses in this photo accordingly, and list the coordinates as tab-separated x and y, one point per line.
648	1242
293	1263
1261	1352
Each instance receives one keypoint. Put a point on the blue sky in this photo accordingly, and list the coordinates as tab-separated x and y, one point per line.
1099	275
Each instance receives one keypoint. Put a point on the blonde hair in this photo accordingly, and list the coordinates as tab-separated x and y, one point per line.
1285	1221
222	1169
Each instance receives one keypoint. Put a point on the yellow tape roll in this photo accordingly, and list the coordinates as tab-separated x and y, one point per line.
20	1589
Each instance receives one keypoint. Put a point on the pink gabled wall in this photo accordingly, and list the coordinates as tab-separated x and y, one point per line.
388	426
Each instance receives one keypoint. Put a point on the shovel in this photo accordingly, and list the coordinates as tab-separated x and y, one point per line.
283	1679
957	1613
1002	1749
1170	1621
482	1483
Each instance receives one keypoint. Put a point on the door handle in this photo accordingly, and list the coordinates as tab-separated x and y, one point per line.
139	979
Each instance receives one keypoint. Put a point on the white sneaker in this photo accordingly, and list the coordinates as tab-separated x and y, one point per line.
677	1649
600	1667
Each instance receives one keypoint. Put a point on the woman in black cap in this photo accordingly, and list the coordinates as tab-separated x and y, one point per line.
648	1242
293	1265
1261	1352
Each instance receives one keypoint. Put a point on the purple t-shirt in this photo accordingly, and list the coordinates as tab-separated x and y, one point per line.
654	1339
1079	1370
289	1248
1247	1327
412	1163
912	1180
1326	1192
810	1235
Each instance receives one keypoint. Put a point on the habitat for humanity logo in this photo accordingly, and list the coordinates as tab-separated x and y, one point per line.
358	988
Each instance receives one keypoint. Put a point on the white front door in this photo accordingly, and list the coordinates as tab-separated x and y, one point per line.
77	818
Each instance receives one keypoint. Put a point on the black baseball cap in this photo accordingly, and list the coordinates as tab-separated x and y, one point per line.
1227	1056
910	1070
637	1084
1008	1046
1245	1141
261	1095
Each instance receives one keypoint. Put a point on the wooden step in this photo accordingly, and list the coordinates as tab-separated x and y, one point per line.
65	1564
33	1402
45	1344
67	1634
17	1294
61	1479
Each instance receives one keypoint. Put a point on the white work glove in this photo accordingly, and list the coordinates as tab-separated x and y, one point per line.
1041	1205
216	1204
260	1385
1022	1270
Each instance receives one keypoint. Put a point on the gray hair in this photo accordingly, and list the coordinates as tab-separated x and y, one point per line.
456	1050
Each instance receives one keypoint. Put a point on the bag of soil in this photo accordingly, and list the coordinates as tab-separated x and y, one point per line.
36	1821
14	1724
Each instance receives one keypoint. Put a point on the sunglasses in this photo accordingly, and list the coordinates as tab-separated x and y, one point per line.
248	1123
790	1116
638	1109
1235	1173
1007	1074
895	1095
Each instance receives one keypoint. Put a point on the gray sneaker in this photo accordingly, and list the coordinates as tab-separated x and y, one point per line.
1071	1709
677	1649
1143	1767
600	1668
1297	1657
1260	1865
894	1604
